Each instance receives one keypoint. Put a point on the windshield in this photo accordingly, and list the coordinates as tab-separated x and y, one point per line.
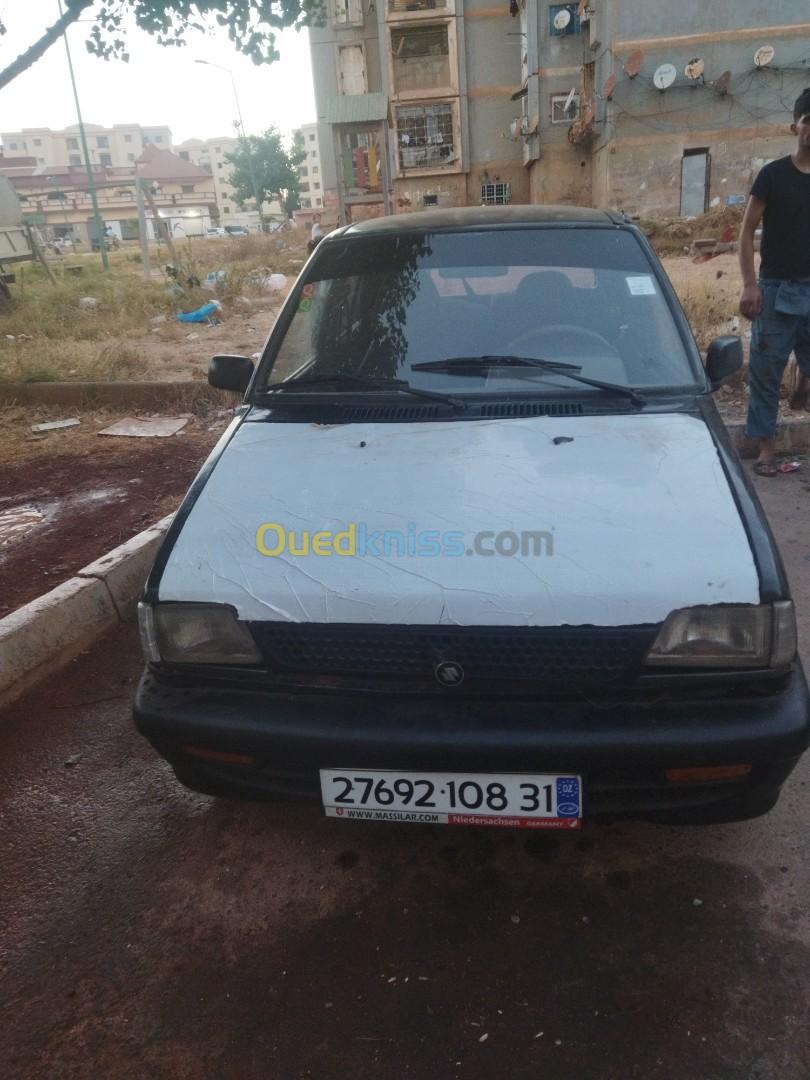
384	306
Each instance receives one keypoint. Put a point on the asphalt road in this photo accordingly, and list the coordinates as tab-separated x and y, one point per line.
148	932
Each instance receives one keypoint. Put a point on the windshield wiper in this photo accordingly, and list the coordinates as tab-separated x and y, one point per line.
461	365
367	381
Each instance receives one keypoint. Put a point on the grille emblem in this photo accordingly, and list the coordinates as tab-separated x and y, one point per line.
449	673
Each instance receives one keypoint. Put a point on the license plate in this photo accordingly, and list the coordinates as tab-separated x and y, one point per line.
530	801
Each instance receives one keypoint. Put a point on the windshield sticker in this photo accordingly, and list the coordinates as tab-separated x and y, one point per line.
305	305
641	286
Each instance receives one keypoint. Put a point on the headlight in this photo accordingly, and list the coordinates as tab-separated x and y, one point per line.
740	636
195	634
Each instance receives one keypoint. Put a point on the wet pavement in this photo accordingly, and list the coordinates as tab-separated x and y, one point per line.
148	932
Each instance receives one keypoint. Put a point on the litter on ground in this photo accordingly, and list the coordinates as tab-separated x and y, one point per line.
56	425
210	312
156	428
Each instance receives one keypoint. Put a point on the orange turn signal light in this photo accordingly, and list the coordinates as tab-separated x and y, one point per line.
219	756
706	774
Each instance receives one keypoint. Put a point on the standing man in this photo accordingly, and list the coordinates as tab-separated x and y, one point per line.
779	302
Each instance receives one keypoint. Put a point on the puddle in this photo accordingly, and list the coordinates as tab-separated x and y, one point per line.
16	523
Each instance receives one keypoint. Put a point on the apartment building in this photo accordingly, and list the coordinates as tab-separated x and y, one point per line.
309	171
646	106
114	147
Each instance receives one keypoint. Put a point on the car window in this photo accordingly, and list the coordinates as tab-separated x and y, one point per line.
379	305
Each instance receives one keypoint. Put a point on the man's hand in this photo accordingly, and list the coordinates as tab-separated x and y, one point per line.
751	301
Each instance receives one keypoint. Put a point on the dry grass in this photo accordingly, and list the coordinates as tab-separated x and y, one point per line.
45	335
709	293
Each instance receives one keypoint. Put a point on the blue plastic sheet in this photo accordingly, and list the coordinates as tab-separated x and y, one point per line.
206	314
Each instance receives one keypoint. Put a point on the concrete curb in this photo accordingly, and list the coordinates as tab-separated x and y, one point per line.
52	630
792	435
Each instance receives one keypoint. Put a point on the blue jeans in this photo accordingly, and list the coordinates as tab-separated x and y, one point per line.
782	327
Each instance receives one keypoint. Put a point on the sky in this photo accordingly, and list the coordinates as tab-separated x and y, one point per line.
159	85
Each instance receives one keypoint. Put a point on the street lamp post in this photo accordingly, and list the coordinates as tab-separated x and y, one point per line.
240	129
91	187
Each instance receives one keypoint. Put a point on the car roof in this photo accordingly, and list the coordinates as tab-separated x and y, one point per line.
476	217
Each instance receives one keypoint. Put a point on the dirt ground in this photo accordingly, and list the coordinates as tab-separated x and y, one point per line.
84	495
152	932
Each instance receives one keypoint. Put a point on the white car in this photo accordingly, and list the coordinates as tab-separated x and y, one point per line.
476	548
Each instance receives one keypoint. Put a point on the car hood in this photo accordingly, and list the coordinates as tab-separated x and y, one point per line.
636	512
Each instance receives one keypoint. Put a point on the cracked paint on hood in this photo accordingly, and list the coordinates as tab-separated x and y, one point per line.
638	507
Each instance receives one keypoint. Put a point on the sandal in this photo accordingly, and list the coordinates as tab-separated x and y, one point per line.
766	468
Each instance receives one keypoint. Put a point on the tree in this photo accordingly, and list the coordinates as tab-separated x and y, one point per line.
264	170
251	24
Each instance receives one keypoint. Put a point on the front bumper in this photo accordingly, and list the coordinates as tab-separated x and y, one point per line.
621	751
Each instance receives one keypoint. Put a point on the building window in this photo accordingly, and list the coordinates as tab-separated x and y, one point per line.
219	164
425	135
73	144
305	204
564	108
303	170
318	202
312	138
40	161
75	159
37	142
226	209
147	139
187	189
158	138
313	153
102	141
408	6
12	146
563	20
130	157
348	13
184	154
127	138
124	193
317	187
351	70
105	159
420	56
303	187
217	149
315	170
496	194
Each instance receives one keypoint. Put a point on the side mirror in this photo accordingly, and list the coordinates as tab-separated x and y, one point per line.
725	356
230	373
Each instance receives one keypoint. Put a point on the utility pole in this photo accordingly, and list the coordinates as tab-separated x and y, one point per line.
160	224
91	187
147	272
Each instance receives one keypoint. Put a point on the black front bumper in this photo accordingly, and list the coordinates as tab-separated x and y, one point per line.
621	751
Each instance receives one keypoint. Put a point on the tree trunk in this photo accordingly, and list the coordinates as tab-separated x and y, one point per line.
51	35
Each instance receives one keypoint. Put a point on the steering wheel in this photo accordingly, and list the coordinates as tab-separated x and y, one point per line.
562	330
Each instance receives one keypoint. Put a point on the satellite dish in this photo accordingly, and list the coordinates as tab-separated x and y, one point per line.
634	63
562	19
721	84
764	55
609	87
694	69
665	76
